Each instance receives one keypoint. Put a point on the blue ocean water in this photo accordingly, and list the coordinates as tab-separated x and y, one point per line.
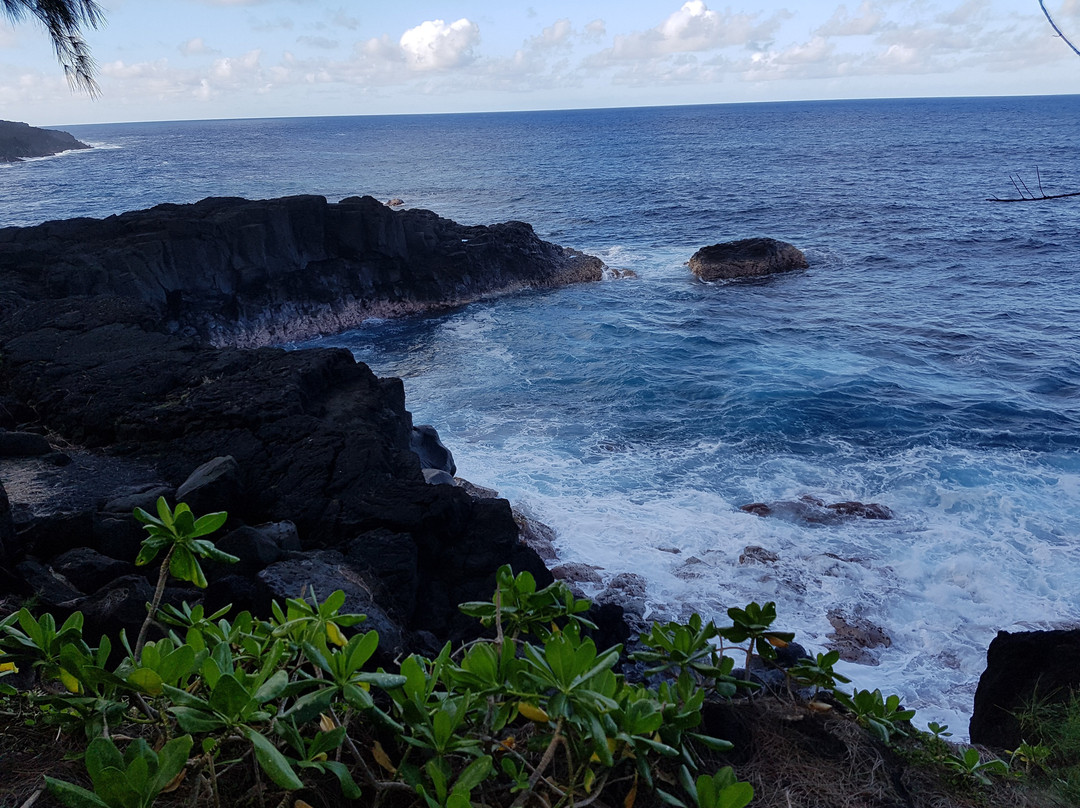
927	360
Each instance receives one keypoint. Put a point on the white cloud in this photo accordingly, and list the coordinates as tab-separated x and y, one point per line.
343	20
866	20
321	42
196	46
692	28
557	33
596	28
434	45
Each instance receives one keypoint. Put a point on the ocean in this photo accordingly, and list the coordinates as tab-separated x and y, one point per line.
928	360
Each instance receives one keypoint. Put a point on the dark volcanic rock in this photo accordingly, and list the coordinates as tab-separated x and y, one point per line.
431	451
746	258
814	511
853	636
111	334
23	444
1020	666
260	272
89	570
20	140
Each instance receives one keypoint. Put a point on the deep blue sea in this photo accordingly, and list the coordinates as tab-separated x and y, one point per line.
928	360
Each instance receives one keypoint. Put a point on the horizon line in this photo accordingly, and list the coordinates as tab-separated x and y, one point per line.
568	109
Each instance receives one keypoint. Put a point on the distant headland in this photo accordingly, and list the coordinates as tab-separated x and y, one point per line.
19	141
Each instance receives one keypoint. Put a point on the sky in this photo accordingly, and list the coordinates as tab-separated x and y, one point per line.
200	59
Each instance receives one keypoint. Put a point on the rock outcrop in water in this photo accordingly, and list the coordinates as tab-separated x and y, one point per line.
19	141
745	259
241	272
106	332
812	510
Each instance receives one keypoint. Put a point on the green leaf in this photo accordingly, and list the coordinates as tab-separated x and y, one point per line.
101	754
111	785
147	553
307	707
171	761
272	687
379	679
74	796
474	774
349	789
716	744
327	741
359	650
182	698
229	697
206	549
357	698
205	525
332	604
146	680
316	656
737	795
195	720
272	761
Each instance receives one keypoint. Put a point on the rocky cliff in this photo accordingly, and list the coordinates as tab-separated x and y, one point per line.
240	272
112	338
19	141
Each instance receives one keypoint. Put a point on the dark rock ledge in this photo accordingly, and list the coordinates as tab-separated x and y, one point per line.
117	385
249	273
19	141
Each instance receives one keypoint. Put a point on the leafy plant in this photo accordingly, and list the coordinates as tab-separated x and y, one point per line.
518	608
720	790
302	622
882	715
818	673
179	531
753	625
939	731
969	763
38	641
313	754
1030	756
133	779
689	647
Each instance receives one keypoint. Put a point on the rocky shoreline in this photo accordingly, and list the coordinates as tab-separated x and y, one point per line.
243	273
19	141
133	365
127	374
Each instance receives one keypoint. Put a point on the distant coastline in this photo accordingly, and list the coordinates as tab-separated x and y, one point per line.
19	141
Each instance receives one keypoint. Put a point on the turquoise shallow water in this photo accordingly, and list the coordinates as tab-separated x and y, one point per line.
926	360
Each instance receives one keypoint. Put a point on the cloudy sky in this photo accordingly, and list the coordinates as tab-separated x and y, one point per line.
189	59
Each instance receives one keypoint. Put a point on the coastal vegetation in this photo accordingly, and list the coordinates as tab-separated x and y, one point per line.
238	709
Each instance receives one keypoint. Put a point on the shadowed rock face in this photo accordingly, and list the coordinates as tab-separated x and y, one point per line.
247	273
1019	667
19	141
745	259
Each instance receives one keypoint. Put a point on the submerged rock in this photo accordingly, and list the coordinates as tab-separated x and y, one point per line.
814	511
746	258
854	636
